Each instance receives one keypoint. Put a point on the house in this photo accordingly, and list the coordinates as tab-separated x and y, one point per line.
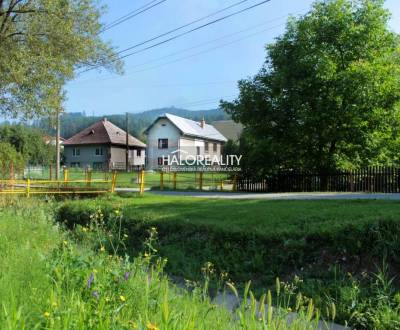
51	140
230	129
103	146
173	137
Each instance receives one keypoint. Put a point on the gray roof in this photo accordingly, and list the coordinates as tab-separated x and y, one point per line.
193	128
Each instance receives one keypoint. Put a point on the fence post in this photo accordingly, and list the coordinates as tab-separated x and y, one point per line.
161	180
89	177
222	185
113	181
141	182
50	172
201	180
28	187
234	186
65	173
174	180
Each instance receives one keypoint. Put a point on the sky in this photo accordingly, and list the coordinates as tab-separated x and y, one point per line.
192	72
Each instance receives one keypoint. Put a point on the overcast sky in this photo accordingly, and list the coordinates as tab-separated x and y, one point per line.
192	72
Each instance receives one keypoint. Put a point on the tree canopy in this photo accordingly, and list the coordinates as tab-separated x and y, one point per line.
328	94
29	143
42	43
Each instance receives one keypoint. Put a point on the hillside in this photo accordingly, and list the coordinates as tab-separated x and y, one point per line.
71	123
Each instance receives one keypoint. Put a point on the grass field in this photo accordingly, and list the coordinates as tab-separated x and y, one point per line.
50	281
190	180
257	216
321	242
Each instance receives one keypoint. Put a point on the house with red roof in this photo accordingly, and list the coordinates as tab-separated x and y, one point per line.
102	146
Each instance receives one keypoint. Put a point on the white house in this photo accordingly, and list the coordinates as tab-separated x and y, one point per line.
174	137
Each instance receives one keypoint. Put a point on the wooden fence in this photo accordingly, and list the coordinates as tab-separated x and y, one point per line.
371	179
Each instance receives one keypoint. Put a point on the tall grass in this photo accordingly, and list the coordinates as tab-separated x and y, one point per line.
50	281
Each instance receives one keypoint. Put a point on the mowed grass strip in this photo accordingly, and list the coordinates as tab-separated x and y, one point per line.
258	216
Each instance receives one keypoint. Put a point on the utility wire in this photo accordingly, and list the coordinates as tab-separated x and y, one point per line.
132	14
181	34
194	47
182	27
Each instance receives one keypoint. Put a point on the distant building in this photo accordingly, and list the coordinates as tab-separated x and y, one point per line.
103	146
230	129
171	135
51	140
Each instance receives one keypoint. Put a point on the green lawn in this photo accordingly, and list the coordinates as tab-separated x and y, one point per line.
49	280
319	241
211	181
259	216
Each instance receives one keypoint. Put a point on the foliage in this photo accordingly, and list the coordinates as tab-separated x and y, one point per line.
50	282
29	143
321	241
328	94
10	161
42	42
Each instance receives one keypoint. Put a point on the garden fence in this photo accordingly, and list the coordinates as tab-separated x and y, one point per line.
370	179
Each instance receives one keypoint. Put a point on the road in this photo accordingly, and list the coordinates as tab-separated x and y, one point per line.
271	196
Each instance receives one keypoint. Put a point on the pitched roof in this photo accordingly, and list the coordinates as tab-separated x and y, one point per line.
103	132
229	129
193	128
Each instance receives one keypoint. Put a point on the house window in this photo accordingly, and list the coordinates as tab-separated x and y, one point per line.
99	152
214	147
139	153
162	143
75	164
206	146
76	152
198	150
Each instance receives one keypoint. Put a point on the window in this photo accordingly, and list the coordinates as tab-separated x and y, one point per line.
198	150
76	164
76	152
214	147
99	152
139	153
206	146
162	143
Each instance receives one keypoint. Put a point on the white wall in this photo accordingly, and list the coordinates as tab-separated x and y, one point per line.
162	129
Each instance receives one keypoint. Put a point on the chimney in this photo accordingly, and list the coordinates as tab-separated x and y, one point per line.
203	123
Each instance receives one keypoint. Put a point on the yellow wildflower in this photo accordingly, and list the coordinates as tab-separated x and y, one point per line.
151	326
84	229
46	314
102	249
117	212
122	298
65	242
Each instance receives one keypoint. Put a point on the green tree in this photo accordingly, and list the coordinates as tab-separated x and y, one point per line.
10	160
29	143
328	94
42	43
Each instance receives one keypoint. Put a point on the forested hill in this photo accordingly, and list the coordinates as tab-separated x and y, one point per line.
72	123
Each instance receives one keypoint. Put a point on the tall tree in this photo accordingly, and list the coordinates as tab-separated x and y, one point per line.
42	43
328	94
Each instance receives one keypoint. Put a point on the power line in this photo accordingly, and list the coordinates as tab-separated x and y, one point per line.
192	30
182	27
197	46
132	14
182	34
